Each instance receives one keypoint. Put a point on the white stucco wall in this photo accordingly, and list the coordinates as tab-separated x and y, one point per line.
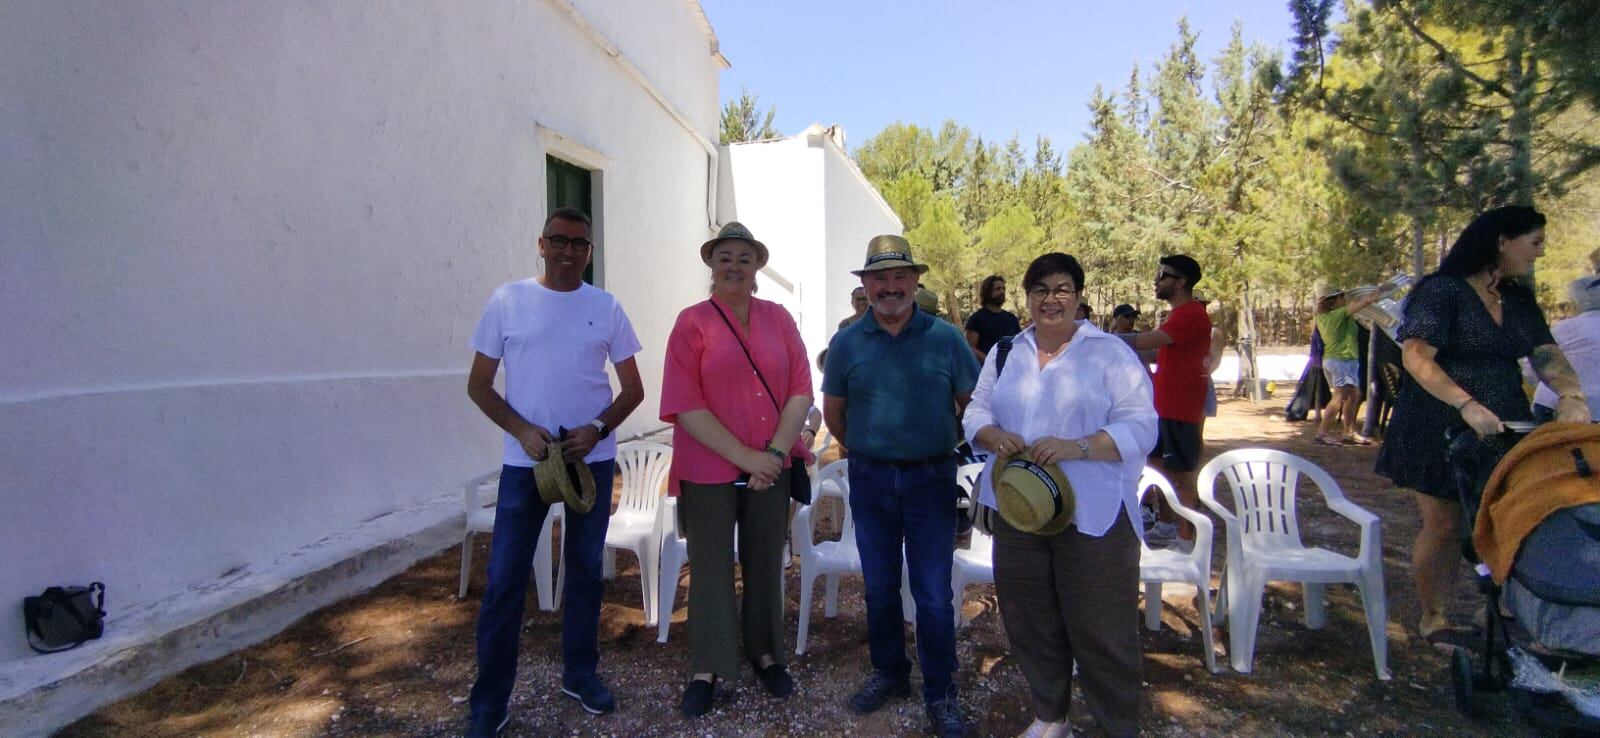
805	199
244	246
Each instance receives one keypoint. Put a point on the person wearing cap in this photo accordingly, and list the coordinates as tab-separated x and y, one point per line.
1123	318
992	321
1071	410
1341	362
1182	344
892	389
557	405
858	303
736	388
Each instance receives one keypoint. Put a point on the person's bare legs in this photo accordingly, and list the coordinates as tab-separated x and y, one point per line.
1333	415
1435	560
1352	404
1183	482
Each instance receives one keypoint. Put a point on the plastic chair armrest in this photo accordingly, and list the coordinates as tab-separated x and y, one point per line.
800	531
1371	525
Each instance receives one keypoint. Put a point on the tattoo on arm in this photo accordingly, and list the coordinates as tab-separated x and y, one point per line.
1553	369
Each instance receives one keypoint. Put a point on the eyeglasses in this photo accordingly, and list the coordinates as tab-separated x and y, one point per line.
1164	275
562	243
1042	293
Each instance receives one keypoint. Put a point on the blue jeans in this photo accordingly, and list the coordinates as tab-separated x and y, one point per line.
911	510
518	516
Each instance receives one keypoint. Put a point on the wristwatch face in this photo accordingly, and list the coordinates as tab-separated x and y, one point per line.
600	426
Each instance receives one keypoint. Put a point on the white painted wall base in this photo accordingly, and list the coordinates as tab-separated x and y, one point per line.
143	646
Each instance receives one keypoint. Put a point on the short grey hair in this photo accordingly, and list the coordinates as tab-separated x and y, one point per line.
1585	293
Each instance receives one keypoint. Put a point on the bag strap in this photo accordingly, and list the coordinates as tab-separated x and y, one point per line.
1004	348
747	356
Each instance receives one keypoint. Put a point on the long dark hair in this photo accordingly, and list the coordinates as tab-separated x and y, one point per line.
1478	246
986	286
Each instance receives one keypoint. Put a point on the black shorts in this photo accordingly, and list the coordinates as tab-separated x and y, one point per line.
1178	444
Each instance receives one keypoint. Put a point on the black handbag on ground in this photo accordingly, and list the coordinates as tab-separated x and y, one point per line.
63	618
799	477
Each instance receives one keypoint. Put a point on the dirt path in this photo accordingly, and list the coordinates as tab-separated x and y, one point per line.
399	659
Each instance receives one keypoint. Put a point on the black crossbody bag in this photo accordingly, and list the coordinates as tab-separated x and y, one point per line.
63	618
799	478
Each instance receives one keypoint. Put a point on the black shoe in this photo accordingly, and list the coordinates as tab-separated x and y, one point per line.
945	715
775	677
879	689
697	697
590	692
487	725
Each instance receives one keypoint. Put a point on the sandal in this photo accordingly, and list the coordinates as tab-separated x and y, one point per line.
1322	440
1355	440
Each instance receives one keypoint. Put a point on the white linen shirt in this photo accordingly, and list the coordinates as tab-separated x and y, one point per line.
1095	384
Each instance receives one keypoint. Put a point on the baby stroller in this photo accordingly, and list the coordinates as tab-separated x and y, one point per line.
1530	507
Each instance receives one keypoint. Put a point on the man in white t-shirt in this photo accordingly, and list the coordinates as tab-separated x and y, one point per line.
555	334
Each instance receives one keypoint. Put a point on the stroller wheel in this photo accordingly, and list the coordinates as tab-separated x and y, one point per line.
1461	677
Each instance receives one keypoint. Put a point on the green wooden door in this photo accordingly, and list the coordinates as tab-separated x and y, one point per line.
569	186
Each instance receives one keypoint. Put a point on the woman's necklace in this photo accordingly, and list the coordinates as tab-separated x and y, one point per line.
1053	354
1487	289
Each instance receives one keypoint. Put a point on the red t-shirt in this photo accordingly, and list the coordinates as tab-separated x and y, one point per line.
1180	376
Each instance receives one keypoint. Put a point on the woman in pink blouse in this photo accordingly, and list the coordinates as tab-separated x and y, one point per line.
736	387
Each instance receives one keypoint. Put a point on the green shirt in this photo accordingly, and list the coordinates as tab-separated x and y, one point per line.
1338	334
900	390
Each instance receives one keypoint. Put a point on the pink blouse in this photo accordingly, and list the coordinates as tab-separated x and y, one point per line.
707	370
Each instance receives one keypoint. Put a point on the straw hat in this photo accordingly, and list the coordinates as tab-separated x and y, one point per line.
734	229
559	481
1033	498
889	252
1325	291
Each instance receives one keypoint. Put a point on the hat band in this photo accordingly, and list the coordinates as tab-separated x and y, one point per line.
888	256
1044	478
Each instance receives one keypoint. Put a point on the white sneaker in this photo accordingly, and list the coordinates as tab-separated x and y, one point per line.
1042	729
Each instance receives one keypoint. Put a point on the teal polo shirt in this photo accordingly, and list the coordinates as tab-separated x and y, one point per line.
900	390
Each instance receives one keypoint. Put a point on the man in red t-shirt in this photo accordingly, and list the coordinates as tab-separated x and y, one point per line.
1183	344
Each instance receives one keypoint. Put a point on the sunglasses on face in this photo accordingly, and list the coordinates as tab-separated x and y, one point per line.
1162	276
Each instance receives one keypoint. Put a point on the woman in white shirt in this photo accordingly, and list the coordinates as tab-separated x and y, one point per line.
1078	397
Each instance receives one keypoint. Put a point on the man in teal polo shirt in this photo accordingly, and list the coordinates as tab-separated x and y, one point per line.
893	389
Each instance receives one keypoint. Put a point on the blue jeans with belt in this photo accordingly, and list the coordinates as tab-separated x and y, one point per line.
518	517
908	508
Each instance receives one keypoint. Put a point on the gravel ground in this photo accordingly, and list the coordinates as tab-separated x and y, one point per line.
398	660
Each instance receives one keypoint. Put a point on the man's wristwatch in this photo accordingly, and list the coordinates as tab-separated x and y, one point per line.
600	425
1083	447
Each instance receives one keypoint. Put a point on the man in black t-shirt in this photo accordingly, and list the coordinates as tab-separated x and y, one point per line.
991	323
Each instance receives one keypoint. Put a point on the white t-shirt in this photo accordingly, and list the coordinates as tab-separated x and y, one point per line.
554	347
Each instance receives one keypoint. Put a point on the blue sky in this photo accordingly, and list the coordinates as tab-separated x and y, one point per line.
998	67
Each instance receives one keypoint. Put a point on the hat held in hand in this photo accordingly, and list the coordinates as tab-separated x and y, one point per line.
561	481
1033	498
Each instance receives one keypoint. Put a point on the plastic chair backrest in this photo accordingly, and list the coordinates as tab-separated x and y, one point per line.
1152	478
644	466
833	480
967	477
1264	484
482	491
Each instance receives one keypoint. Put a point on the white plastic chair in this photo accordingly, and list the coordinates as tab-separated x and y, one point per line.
480	519
1157	565
827	559
674	556
643	466
973	565
1264	545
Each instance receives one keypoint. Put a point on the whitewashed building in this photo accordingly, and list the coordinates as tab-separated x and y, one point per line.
242	248
804	197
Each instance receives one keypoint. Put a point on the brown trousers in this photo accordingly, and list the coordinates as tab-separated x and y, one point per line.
1070	597
710	516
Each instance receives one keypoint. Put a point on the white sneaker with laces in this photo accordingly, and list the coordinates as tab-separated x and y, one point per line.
1042	729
